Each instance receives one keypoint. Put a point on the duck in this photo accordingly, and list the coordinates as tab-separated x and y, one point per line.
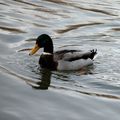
65	59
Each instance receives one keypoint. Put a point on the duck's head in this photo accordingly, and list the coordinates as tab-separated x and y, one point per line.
43	41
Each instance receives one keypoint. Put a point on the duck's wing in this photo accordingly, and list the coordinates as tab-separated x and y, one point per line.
61	54
72	55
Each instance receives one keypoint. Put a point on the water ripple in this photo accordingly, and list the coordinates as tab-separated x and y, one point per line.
103	95
12	30
27	3
76	26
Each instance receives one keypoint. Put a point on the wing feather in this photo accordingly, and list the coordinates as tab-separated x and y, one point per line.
72	55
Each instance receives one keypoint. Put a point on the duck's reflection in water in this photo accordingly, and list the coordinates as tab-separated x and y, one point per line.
44	83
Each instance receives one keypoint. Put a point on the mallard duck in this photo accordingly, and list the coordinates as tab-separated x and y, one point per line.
63	59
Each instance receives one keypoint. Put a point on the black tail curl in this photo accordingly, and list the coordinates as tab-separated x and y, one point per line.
93	53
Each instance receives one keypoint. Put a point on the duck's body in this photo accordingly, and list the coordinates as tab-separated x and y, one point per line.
63	59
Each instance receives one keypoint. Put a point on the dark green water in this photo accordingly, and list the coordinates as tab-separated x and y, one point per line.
29	93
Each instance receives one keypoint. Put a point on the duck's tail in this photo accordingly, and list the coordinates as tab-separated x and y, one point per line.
93	53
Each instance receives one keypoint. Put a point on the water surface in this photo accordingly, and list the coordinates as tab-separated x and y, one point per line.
29	93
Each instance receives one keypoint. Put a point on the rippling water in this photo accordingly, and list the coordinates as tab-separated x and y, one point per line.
27	92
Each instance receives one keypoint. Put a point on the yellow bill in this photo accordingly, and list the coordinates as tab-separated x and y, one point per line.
34	49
